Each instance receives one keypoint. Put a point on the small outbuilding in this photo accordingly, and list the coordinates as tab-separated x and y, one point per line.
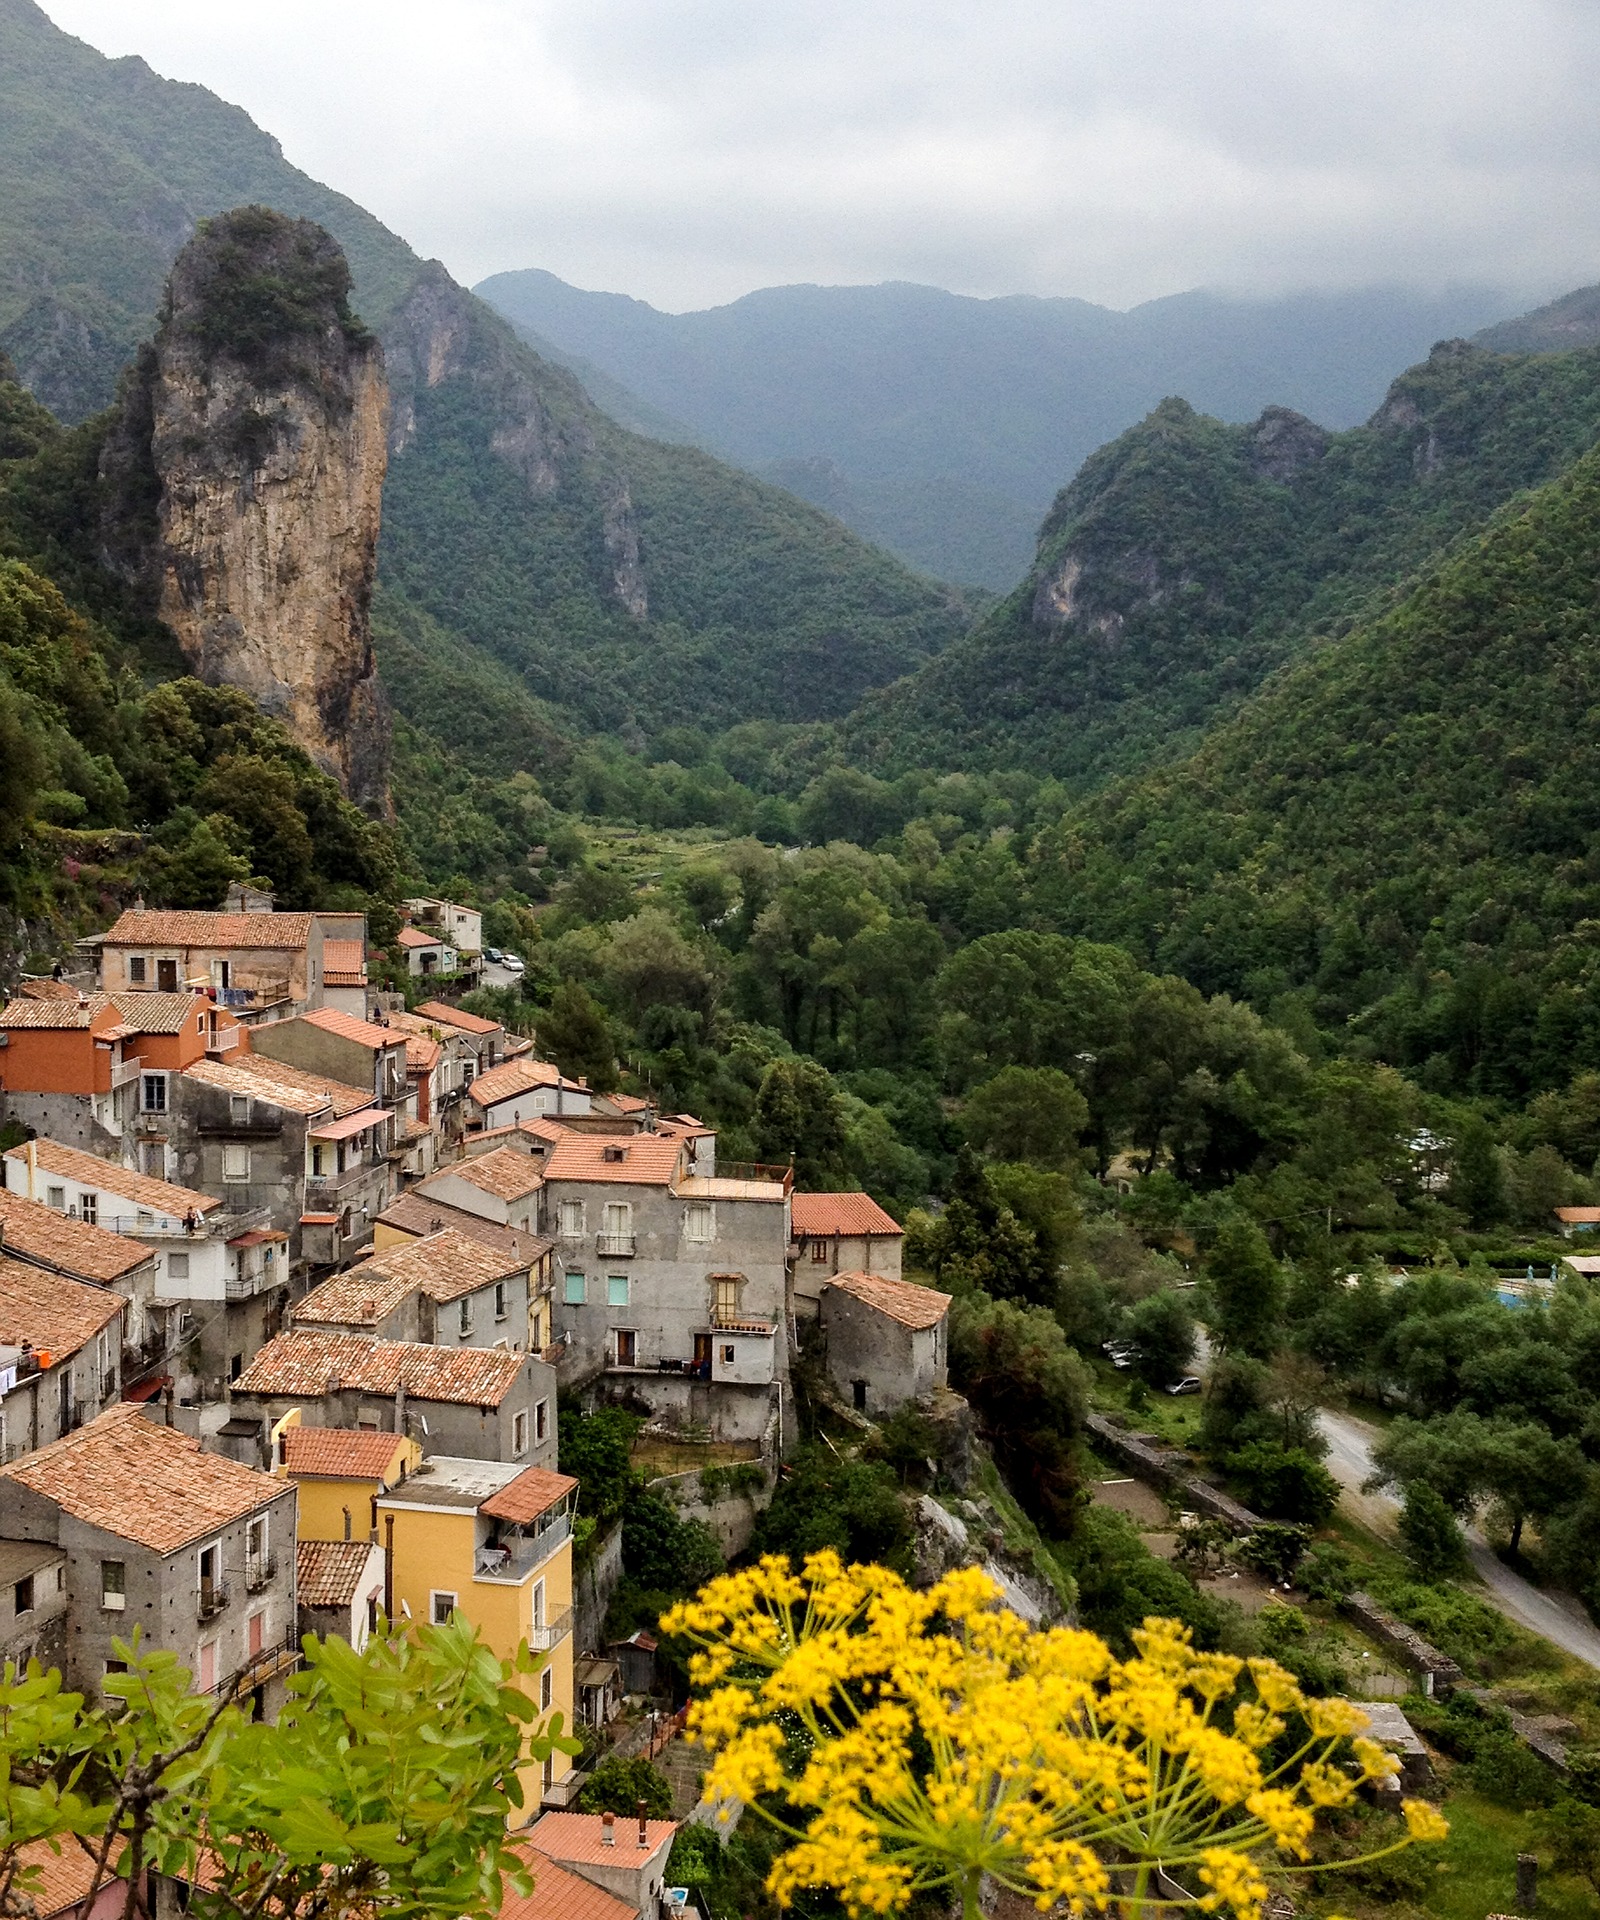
886	1340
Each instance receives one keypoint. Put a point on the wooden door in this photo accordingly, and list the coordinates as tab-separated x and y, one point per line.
702	1355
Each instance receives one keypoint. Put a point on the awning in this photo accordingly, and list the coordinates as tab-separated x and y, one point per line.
319	1219
257	1237
350	1125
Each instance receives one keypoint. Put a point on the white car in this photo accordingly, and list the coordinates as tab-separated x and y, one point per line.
513	963
1190	1383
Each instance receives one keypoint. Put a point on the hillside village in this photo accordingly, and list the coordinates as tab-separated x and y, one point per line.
292	1279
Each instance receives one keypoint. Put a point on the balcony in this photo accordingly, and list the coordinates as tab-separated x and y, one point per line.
271	1663
555	1629
510	1563
614	1246
223	1042
125	1072
260	1572
213	1597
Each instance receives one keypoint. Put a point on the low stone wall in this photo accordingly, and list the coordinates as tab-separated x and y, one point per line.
1439	1673
1167	1469
1536	1739
593	1586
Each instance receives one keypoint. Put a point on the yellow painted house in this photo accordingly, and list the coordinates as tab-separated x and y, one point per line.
494	1542
340	1472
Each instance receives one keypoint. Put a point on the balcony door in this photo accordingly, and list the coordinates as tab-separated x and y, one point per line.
167	976
627	1347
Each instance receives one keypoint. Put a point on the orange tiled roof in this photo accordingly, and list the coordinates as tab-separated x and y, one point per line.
156	1196
143	1482
340	1453
56	1015
48	1239
300	1363
221	930
850	1214
534	1491
358	1297
443	1265
512	1077
344	963
47	990
348	1027
270	1074
450	1016
415	937
578	1837
56	1314
903	1300
61	1881
640	1159
1578	1216
418	1214
327	1573
508	1173
559	1895
159	1012
235	1077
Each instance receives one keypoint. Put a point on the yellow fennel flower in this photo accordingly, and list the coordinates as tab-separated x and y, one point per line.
1424	1822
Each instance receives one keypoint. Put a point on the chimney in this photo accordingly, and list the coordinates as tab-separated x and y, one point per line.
346	1512
608	1837
644	1831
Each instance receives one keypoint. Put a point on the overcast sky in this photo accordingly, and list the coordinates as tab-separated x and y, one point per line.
689	150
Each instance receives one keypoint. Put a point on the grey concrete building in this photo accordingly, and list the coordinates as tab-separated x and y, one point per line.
52	1242
486	1403
195	1550
447	1290
33	1603
340	1587
840	1233
501	1186
355	1052
886	1340
60	1355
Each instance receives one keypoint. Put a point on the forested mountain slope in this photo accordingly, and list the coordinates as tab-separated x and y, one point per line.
1189	559
612	576
942	425
1401	831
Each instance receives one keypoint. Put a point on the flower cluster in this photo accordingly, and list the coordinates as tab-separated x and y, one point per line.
910	1741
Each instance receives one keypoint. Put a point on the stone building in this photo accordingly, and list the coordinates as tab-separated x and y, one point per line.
448	1290
262	966
840	1233
886	1340
52	1242
33	1604
501	1186
195	1550
340	1586
60	1355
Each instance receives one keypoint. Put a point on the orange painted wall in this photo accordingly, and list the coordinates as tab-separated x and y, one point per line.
45	1060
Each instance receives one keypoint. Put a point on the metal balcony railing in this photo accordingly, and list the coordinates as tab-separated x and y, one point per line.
213	1597
271	1663
260	1572
514	1559
614	1246
555	1629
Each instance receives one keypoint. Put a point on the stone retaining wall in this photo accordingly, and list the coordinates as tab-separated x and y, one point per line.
1168	1469
1440	1674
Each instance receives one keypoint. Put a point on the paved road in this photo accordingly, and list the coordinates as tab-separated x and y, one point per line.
1350	1443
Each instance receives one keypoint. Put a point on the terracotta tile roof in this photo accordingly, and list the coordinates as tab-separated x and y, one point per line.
278	1073
61	1881
47	990
508	1173
541	1128
415	937
415	1213
422	1054
577	1837
300	1363
512	1077
347	1127
328	1572
850	1214
903	1300
639	1159
344	963
556	1895
625	1102
449	1016
158	1012
348	1027
48	1239
236	1077
55	1015
443	1265
143	1482
52	1312
534	1491
221	930
1578	1216
155	1196
357	1297
342	1453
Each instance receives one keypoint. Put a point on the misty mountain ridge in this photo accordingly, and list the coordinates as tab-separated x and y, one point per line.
942	425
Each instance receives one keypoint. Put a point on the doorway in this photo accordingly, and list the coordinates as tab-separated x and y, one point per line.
167	975
702	1355
627	1347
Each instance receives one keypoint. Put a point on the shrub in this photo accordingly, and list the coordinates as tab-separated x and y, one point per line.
1284	1483
1327	1572
1431	1535
618	1785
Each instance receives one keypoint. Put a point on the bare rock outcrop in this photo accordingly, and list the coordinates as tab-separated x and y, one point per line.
244	480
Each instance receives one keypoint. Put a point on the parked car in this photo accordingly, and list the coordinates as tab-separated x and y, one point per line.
1190	1383
493	954
1121	1353
512	962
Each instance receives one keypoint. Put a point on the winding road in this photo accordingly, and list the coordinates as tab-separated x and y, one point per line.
1350	1443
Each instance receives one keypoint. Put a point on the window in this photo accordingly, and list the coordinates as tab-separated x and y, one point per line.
725	1295
571	1212
144	1220
819	1250
727	1356
500	1309
236	1165
256	1539
56	1197
113	1585
321	1160
440	1607
519	1432
699	1222
616	1289
239	1109
154	1087
541	1421
466	1316
547	1689
577	1292
538	1603
178	1266
22	1595
89	1208
619	1218
136	970
153	1158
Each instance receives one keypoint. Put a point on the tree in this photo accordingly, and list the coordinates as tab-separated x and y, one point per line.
1030	1390
1162	1328
384	1787
922	1742
1034	1114
1284	1483
618	1785
799	1114
1431	1535
1477	1184
577	1036
1245	1288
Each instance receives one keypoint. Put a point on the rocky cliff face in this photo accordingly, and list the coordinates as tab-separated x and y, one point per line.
244	478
